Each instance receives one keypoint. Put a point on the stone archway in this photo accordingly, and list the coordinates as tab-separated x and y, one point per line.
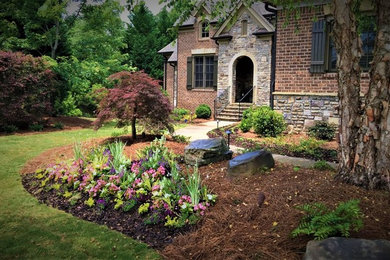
243	80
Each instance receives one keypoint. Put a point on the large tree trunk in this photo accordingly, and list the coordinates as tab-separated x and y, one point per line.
373	153
365	154
348	47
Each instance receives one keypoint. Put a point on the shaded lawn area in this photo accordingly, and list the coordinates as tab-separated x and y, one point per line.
32	230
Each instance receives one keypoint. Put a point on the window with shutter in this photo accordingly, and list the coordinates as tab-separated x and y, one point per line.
189	73
318	47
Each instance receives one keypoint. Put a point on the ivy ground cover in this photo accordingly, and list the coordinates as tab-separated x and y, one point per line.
149	198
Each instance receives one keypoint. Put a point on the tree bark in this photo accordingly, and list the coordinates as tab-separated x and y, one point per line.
365	154
56	39
133	129
348	47
373	154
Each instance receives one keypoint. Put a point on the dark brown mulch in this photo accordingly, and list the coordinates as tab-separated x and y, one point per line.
236	138
236	227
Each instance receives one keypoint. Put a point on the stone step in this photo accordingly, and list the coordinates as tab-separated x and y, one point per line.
234	110
228	118
226	113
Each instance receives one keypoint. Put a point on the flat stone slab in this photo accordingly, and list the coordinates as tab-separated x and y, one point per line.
206	151
250	163
340	248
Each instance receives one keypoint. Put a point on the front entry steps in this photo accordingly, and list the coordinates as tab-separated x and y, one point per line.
233	112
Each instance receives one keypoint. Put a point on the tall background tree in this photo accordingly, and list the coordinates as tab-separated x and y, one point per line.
146	35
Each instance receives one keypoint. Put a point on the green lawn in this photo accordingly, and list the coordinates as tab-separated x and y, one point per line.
32	230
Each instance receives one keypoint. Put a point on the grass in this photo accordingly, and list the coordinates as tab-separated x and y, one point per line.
31	230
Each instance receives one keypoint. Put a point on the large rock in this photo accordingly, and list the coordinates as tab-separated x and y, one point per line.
341	248
250	163
206	151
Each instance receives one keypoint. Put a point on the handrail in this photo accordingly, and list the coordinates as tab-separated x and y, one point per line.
239	102
219	99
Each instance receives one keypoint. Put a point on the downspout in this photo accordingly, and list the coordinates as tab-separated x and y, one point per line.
174	87
165	72
273	55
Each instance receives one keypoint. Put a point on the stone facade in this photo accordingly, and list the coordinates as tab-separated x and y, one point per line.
301	111
258	49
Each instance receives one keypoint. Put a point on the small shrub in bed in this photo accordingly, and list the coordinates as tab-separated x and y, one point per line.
58	125
267	122
323	130
246	121
153	186
8	129
203	111
322	166
179	113
36	127
322	222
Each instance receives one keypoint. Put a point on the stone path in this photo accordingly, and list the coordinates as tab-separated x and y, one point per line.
199	131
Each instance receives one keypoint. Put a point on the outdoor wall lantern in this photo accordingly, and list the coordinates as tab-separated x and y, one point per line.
228	132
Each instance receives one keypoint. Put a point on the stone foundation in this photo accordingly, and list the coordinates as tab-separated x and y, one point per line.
303	110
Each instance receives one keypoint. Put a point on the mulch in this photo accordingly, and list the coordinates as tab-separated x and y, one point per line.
236	227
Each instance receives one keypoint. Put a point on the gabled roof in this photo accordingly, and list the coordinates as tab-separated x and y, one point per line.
257	11
208	5
170	51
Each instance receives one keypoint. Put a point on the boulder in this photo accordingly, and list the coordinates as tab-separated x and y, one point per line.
250	163
206	151
341	248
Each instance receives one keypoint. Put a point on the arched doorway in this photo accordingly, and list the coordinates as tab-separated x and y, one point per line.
244	80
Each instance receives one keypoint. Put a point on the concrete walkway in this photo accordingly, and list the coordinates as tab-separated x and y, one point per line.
200	131
195	132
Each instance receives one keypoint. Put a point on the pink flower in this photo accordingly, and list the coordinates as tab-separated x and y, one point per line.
155	187
129	193
113	187
114	179
161	170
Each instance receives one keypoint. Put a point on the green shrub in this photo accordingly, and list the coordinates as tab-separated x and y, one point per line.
58	125
309	146
323	223
9	129
322	166
246	121
181	139
267	122
323	130
36	127
179	113
203	111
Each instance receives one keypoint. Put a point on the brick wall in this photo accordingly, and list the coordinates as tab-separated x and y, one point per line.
188	39
293	56
170	80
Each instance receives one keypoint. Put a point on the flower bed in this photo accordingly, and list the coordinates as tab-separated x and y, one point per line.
103	180
307	147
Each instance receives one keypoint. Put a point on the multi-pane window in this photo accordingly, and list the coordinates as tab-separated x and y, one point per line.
204	71
368	39
205	30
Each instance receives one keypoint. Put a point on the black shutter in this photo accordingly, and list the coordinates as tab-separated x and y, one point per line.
318	47
215	72
189	73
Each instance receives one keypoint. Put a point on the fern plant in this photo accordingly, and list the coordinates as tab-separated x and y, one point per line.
322	222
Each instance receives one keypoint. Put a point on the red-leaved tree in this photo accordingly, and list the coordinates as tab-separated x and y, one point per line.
27	86
136	96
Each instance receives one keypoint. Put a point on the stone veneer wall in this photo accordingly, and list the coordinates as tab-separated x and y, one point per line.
258	49
301	111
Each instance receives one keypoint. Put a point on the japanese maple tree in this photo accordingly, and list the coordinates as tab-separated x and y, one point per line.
135	97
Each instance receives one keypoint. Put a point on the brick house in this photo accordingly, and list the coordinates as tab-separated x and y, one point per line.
252	58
